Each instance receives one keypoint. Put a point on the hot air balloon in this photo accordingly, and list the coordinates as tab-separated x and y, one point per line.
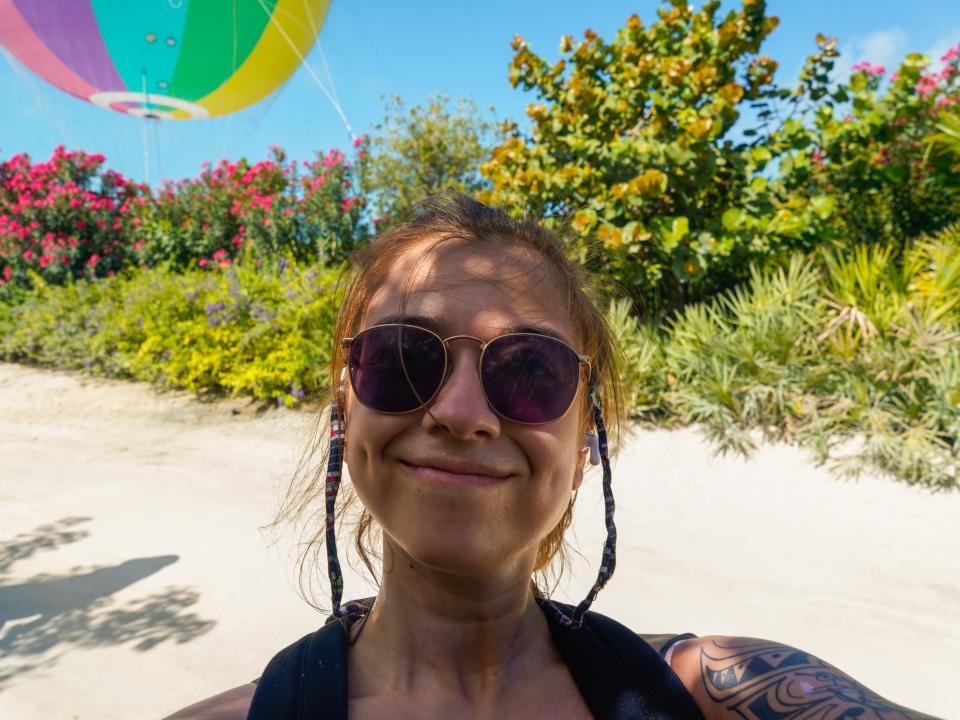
166	59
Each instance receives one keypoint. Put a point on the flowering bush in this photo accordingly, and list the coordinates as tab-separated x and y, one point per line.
64	218
867	148
260	332
276	207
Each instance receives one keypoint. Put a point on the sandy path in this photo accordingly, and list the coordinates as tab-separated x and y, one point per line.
133	578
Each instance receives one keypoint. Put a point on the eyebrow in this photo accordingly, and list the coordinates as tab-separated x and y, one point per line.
439	328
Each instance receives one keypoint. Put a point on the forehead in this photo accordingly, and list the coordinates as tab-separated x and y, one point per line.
480	289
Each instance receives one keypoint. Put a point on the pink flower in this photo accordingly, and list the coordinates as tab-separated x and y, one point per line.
926	85
94	259
7	272
219	254
45	260
28	255
952	53
865	67
334	157
202	262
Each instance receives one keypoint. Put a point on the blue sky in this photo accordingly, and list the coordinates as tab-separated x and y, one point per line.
375	48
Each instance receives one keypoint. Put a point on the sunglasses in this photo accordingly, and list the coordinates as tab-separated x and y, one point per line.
526	377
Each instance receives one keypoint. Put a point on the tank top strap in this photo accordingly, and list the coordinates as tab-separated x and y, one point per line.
619	675
668	645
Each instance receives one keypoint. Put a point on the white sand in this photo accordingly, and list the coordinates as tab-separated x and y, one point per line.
134	581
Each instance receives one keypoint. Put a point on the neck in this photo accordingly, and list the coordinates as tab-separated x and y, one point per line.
432	630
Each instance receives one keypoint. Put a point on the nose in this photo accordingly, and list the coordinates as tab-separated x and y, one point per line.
460	407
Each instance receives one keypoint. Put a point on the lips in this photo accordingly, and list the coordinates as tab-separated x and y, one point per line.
455	471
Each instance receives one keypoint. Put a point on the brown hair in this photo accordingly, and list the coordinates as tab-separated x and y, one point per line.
440	219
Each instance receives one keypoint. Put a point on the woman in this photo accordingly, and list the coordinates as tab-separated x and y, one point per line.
476	375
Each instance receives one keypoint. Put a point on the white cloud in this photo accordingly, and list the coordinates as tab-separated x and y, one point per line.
884	47
940	47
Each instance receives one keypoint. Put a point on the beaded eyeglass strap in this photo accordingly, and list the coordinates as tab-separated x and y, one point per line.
334	465
609	560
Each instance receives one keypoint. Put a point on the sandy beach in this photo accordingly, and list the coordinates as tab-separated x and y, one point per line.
134	578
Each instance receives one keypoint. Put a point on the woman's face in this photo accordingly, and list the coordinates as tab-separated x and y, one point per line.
481	526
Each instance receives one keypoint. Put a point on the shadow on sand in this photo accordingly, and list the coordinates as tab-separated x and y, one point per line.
42	618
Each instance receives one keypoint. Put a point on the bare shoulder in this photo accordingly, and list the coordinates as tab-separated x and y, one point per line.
230	705
733	677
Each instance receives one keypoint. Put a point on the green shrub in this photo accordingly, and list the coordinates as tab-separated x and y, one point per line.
855	355
674	146
425	150
311	213
636	141
868	148
260	332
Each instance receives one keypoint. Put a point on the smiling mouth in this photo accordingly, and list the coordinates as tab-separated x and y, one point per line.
446	477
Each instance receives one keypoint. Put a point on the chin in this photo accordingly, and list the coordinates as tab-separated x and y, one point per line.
455	549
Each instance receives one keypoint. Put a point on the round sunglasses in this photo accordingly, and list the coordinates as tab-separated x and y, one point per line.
526	378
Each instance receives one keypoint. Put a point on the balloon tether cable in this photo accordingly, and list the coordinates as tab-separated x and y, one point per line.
309	67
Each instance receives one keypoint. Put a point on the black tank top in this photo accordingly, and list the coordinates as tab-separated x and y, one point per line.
619	675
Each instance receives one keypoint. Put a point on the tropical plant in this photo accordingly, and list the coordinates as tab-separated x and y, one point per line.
635	140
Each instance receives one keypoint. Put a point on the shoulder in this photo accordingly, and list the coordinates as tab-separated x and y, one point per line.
737	677
230	705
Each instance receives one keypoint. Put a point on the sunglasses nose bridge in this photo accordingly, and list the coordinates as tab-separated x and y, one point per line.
463	337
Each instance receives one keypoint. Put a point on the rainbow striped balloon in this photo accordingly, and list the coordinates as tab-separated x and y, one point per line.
170	59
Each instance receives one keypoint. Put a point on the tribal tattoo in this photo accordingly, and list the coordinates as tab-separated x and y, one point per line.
761	680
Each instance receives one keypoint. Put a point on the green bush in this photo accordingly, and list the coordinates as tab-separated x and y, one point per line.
312	212
675	147
425	150
867	148
853	355
634	140
260	332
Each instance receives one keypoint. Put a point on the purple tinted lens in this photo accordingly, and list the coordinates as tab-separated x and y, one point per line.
530	378
396	369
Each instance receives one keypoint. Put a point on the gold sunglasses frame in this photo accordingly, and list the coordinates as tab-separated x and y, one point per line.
347	343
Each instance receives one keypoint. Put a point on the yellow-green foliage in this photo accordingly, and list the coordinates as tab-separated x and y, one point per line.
258	332
856	357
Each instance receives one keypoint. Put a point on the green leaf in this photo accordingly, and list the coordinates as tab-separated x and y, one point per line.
733	219
823	205
672	230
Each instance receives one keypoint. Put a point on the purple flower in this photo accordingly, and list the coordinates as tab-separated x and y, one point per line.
296	392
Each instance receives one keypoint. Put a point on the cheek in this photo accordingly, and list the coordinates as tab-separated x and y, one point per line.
368	433
553	460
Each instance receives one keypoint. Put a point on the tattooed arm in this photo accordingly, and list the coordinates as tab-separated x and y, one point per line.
747	679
